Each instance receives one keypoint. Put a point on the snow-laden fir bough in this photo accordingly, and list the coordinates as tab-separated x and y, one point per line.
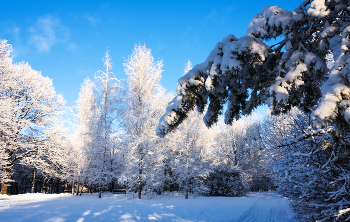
246	72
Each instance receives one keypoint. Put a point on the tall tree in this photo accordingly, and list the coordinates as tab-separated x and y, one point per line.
86	119
109	99
141	110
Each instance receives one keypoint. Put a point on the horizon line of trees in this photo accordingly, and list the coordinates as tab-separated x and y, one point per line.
113	142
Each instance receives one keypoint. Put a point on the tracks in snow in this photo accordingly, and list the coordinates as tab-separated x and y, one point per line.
268	207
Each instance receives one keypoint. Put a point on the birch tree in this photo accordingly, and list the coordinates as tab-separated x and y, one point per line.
79	143
109	99
191	151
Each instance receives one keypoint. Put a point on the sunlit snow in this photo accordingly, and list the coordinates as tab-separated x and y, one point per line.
260	206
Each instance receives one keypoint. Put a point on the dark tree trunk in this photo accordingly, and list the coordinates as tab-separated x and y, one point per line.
82	186
57	185
77	191
34	182
16	188
140	181
25	187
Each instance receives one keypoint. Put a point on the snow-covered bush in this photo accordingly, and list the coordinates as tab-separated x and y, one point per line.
222	182
261	183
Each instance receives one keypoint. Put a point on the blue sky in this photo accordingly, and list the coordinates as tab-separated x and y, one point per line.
66	40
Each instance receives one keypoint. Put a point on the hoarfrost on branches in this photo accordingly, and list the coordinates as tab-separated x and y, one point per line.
30	112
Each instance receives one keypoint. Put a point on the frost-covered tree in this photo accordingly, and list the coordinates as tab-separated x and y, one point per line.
229	142
190	159
108	94
182	157
80	142
141	113
310	165
247	72
160	175
188	67
239	147
251	156
29	111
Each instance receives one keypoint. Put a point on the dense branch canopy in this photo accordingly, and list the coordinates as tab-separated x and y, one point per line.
30	111
246	72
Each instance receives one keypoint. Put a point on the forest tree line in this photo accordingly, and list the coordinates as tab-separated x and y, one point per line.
111	141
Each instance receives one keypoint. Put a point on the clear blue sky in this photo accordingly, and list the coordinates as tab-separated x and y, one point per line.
66	40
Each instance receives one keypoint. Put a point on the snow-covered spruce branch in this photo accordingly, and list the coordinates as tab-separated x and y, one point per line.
245	72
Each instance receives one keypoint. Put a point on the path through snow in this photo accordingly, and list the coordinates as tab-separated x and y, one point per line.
268	207
262	206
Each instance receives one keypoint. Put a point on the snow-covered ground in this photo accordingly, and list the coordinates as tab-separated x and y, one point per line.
262	206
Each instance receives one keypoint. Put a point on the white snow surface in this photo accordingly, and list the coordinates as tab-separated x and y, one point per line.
260	206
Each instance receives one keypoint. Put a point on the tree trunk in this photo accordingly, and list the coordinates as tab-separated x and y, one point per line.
16	186
77	193
103	165
140	180
112	186
33	184
25	187
186	195
73	187
82	186
235	155
4	189
105	129
5	185
140	190
45	186
57	185
41	186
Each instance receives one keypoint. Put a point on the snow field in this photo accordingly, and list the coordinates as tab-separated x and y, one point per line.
263	206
